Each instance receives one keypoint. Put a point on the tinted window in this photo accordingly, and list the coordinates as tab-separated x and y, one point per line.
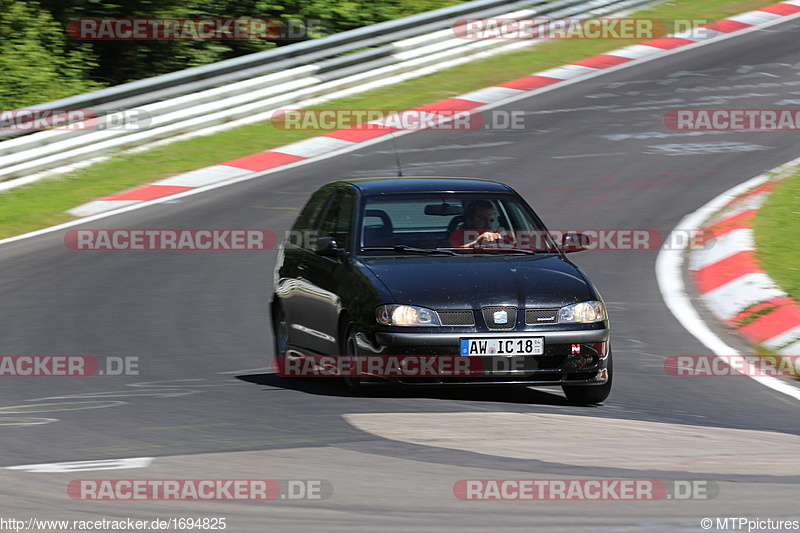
308	219
339	219
434	220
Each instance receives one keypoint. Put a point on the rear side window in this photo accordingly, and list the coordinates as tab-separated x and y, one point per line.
338	220
308	219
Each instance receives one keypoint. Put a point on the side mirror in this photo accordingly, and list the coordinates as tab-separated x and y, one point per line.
327	247
574	242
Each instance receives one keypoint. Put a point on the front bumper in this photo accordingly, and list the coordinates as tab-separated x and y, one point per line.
451	340
571	357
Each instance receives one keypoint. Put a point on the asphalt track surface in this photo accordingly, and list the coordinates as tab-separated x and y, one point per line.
594	154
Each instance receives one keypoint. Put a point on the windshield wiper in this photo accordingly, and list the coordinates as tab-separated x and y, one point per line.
499	250
401	248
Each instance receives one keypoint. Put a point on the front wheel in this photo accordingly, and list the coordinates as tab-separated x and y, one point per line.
280	331
350	348
589	394
280	340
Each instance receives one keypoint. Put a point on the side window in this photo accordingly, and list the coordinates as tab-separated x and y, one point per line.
308	219
338	219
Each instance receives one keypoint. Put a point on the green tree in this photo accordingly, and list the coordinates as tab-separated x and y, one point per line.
39	62
121	61
35	64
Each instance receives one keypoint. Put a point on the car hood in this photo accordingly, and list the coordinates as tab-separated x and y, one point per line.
474	281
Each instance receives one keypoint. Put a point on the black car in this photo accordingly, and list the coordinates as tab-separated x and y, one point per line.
448	270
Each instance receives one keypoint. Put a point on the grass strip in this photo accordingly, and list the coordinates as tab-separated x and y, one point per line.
776	230
45	202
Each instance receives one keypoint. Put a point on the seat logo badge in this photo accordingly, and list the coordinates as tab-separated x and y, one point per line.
500	317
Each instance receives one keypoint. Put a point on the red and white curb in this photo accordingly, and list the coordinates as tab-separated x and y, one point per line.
350	137
730	281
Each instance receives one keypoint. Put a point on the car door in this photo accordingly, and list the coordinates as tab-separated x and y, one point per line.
298	251
323	276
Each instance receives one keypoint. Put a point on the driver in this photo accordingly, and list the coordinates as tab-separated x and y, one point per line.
479	219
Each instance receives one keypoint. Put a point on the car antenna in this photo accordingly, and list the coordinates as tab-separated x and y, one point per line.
396	156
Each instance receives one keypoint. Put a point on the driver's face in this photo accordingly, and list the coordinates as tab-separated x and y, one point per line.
483	218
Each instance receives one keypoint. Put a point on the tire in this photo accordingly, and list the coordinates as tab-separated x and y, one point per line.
350	347
280	331
280	341
590	394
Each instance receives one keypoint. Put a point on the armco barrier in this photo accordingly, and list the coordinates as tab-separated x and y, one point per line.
252	86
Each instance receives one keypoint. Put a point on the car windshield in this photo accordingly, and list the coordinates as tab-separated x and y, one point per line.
459	223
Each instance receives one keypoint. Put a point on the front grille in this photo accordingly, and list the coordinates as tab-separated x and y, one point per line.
457	318
490	318
540	316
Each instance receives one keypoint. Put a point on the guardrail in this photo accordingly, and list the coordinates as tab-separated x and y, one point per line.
251	87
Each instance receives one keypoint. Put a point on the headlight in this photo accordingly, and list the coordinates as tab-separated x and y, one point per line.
582	313
406	315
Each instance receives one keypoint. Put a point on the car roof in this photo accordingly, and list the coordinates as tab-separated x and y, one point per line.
379	186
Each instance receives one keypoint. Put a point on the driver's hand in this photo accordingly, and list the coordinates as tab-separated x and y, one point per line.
488	237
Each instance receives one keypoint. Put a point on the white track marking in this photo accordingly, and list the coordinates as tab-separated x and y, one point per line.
85	466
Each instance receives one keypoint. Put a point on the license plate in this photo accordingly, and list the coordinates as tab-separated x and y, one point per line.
506	346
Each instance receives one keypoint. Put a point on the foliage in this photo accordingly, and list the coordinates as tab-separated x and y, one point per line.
40	62
36	65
